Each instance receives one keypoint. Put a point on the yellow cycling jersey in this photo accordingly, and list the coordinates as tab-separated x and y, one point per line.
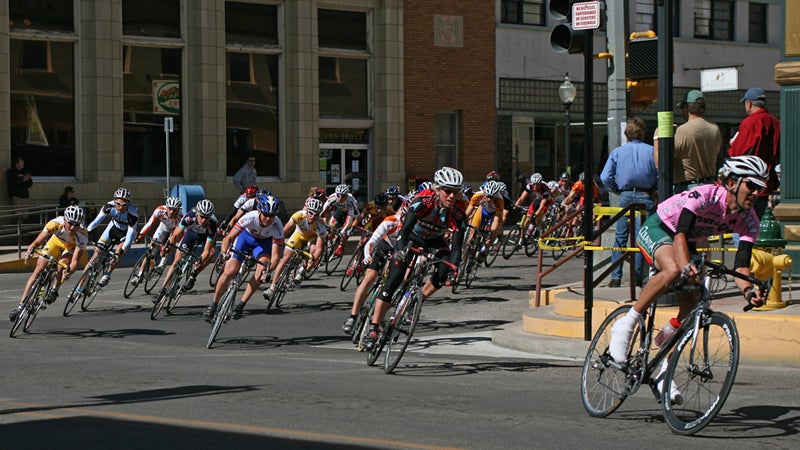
62	241
305	229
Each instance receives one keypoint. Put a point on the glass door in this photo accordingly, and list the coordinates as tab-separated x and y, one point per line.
345	164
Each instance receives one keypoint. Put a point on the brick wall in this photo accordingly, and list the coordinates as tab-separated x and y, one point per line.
447	78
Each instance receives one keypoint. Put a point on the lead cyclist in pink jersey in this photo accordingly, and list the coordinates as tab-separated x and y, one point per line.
683	221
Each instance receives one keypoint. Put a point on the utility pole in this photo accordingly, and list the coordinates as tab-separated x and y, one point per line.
666	139
616	33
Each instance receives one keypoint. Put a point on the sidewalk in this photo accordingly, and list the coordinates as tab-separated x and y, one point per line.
770	338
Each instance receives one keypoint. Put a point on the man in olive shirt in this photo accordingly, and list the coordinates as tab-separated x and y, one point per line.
698	146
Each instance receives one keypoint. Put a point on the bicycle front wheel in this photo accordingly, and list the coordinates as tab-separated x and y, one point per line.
333	261
135	272
152	274
78	292
27	302
703	370
603	386
225	306
492	252
38	301
402	332
531	243
352	268
512	241
216	270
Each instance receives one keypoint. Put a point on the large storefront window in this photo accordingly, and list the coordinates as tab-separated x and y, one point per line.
42	82
252	87
152	92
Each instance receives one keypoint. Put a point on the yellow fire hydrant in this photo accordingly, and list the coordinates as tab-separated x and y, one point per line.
765	265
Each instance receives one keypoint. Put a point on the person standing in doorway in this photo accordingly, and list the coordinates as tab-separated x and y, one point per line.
760	135
246	176
19	183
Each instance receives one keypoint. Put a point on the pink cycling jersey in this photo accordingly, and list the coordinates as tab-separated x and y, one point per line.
708	203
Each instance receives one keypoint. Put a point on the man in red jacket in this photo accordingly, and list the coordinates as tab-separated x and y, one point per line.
760	135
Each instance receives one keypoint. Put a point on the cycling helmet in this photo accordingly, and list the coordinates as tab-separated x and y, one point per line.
123	194
319	194
342	189
173	202
264	192
74	214
267	204
381	199
449	178
552	185
251	191
536	178
582	176
204	207
565	176
748	166
425	186
503	187
467	190
393	191
492	176
491	188
313	205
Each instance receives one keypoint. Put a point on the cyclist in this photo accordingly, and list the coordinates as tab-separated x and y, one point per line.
578	189
540	198
395	197
432	214
375	211
308	228
121	229
248	193
341	208
197	226
668	239
259	232
486	206
251	204
63	238
168	215
376	253
565	184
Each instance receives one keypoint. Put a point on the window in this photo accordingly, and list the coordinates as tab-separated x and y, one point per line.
343	64
646	16
42	85
525	12
446	139
757	29
713	19
151	18
252	87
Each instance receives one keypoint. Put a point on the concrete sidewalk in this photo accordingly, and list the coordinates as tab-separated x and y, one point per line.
770	338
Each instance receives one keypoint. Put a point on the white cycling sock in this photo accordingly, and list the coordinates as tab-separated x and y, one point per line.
621	334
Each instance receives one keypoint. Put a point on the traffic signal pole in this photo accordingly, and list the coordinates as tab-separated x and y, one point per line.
588	180
666	141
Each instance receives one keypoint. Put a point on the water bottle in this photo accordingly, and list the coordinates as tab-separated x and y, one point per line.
667	331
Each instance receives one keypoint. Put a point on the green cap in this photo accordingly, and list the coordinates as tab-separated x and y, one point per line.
691	97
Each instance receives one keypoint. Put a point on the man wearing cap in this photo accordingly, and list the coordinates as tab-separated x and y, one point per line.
759	134
698	146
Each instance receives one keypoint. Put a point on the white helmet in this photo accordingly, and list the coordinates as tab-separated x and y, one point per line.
204	207
491	188
536	178
449	178
342	189
74	214
173	202
313	205
123	194
425	186
552	185
748	166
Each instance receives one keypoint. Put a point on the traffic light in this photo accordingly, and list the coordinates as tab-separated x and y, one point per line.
564	39
643	56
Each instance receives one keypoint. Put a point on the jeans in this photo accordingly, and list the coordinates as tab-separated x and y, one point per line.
625	199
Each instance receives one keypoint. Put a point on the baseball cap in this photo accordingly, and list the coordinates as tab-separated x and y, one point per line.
754	94
691	97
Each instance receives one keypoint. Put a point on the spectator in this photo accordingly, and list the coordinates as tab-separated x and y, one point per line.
630	171
759	134
246	176
19	182
698	146
68	198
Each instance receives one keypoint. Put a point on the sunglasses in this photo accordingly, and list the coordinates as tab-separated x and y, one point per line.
753	186
203	217
451	191
120	204
268	216
74	224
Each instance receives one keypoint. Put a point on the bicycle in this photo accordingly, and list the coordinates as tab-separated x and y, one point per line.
355	268
43	286
469	260
702	355
367	310
87	288
332	260
407	306
227	302
286	280
174	285
152	272
519	237
493	250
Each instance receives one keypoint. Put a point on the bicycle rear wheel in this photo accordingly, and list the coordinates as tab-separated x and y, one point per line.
703	374
216	270
92	289
333	261
402	332
135	272
223	312
281	285
603	386
532	243
78	292
512	242
152	274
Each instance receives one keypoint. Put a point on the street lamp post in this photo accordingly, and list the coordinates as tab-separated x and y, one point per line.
567	94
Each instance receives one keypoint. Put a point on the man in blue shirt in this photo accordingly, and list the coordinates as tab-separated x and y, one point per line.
631	172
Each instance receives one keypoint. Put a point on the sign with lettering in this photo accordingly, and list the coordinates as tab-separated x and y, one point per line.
586	16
